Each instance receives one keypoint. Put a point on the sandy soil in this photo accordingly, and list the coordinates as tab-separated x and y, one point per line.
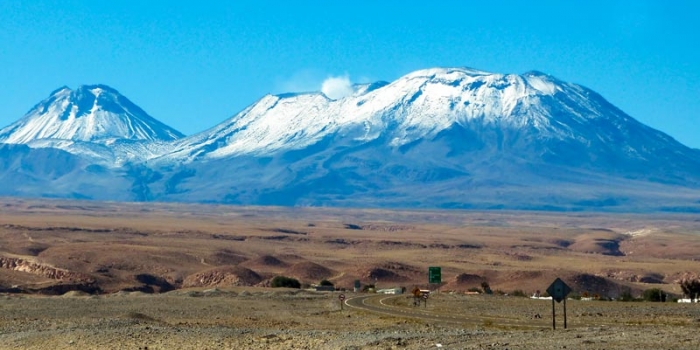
290	319
90	275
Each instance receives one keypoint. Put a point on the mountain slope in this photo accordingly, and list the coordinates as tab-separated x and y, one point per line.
91	113
94	122
457	113
526	111
443	137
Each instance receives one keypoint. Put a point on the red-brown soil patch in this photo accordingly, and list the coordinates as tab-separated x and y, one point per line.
309	272
266	260
223	276
225	257
464	281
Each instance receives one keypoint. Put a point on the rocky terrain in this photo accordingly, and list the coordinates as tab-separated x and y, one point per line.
96	275
52	247
253	318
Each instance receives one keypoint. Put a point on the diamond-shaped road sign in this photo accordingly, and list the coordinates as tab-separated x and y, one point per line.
558	290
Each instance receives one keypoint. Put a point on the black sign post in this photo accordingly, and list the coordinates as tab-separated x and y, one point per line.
558	290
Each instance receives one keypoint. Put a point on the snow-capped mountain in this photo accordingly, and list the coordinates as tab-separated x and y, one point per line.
446	136
423	104
443	137
93	121
91	113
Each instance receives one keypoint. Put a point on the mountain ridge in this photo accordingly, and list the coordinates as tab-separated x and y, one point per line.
434	138
91	113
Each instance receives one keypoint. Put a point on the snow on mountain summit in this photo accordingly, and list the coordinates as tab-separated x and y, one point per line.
434	138
91	113
416	106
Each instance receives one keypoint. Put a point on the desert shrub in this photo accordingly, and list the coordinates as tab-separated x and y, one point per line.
284	282
691	288
626	295
367	287
485	286
654	294
518	293
326	283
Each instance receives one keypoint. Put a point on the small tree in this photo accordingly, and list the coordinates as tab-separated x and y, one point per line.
485	286
654	294
691	288
626	295
519	293
285	282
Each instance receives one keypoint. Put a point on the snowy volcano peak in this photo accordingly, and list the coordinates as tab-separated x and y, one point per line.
88	113
416	107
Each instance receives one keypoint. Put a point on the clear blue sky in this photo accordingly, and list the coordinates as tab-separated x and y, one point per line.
192	64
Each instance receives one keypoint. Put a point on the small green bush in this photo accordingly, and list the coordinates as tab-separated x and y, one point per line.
518	293
654	294
285	282
691	288
326	283
485	286
626	296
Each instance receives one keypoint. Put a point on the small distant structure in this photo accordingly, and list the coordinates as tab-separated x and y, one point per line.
392	291
538	296
687	300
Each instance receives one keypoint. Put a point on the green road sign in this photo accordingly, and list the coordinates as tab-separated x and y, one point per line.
434	275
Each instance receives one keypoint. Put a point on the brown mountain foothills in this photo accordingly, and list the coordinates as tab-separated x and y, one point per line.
136	264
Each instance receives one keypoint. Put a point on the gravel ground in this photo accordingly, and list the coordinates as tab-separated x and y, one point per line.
281	319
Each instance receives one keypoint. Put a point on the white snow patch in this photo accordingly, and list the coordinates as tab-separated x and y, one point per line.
542	85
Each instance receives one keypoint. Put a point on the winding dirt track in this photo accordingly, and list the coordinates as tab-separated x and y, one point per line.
381	304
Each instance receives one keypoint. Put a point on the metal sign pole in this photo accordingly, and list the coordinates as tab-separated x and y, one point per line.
564	313
558	290
554	324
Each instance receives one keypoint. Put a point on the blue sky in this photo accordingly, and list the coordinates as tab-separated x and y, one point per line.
192	64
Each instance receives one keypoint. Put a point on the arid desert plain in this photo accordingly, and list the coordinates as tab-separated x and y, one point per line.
102	275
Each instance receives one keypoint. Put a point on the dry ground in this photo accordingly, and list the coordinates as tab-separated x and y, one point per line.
120	252
255	318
